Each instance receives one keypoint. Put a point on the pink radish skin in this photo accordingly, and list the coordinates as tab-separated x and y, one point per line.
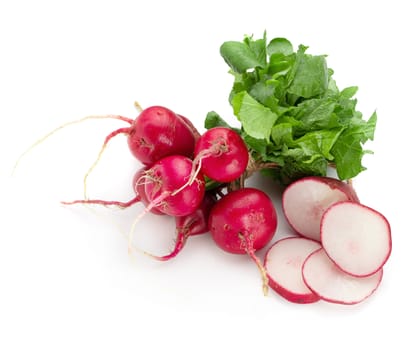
158	132
190	225
305	201
193	129
221	154
356	237
166	189
331	284
283	262
243	222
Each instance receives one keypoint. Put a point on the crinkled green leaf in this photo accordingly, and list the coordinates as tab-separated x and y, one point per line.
256	119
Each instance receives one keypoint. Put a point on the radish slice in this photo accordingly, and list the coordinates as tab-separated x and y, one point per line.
325	279
305	201
357	238
283	263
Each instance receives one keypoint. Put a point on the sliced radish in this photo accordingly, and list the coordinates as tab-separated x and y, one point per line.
325	279
357	238
305	201
283	263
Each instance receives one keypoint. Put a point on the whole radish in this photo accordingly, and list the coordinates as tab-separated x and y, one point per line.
166	186
221	154
158	132
242	222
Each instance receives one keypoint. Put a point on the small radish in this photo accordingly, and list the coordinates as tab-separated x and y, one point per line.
221	154
158	132
305	200
190	225
242	222
283	262
166	189
357	238
325	279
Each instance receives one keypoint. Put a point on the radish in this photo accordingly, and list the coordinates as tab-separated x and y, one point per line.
193	224
325	279
305	200
283	263
221	154
356	237
242	222
165	186
158	132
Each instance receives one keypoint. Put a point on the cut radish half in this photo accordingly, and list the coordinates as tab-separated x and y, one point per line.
283	263
325	279
357	238
305	201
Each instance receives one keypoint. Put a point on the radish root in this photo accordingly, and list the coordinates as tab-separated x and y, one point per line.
122	205
247	242
157	201
73	122
95	163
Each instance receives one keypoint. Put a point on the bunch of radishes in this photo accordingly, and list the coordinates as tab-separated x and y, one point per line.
199	180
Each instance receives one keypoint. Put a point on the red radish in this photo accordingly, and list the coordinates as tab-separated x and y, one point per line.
242	222
221	154
283	263
166	189
305	200
357	238
158	132
190	225
325	279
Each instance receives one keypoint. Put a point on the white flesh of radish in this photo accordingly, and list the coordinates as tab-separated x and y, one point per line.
357	238
324	278
283	263
304	203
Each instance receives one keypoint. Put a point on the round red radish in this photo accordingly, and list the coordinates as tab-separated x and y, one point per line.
221	153
158	132
305	201
166	186
242	222
357	238
245	212
283	262
325	279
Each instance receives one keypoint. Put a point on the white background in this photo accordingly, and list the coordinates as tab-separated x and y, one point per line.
66	280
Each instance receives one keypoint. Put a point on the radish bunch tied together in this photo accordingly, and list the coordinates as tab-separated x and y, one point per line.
295	124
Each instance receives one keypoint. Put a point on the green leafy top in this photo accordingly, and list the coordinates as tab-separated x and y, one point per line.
291	111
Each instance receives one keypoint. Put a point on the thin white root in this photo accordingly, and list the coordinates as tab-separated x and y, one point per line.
73	122
151	205
95	163
138	107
